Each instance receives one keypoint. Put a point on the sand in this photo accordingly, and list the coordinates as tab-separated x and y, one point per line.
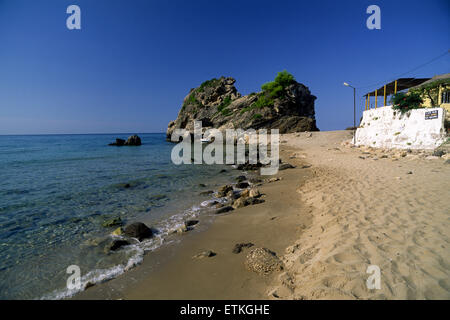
352	208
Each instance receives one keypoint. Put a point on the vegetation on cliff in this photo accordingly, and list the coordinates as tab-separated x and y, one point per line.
282	104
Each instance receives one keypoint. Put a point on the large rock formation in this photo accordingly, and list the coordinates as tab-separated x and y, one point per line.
282	104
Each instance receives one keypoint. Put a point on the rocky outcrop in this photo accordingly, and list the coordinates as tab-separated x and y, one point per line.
283	104
133	140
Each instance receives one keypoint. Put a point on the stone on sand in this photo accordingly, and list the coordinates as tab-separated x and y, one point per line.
263	261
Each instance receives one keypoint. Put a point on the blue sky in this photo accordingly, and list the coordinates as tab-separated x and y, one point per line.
132	63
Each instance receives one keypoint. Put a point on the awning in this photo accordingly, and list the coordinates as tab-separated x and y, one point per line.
402	84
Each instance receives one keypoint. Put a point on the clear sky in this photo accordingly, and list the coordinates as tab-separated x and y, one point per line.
132	63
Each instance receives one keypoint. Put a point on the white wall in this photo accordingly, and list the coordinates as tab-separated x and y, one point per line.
387	128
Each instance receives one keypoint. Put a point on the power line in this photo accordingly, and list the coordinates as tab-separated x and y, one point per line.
414	69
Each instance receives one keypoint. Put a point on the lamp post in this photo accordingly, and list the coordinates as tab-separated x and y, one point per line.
354	111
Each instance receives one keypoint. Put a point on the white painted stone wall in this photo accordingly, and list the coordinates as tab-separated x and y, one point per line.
387	128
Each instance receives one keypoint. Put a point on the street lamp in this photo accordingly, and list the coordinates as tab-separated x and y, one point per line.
354	111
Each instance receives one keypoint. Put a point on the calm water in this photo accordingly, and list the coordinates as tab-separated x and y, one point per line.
56	190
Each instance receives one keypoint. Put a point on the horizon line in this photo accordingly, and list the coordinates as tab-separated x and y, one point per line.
67	134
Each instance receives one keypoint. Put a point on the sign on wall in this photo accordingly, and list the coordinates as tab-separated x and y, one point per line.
431	115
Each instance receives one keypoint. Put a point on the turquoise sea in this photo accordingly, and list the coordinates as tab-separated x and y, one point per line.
57	190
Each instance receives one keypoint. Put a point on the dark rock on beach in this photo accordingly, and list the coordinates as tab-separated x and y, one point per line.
138	230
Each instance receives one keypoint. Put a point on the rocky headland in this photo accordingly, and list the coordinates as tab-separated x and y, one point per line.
282	104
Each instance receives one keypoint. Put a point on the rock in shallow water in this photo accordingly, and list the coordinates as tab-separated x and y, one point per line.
133	140
138	230
116	244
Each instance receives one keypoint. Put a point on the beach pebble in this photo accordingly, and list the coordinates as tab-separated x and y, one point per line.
241	178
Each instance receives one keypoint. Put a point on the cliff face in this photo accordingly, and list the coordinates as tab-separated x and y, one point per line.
287	106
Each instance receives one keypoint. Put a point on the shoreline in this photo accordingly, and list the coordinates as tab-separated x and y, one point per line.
323	223
160	269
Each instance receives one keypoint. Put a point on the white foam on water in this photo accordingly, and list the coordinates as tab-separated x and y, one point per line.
165	228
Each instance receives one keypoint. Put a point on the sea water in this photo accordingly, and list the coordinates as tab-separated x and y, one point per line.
57	190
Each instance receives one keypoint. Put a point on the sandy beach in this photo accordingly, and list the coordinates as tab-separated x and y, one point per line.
340	210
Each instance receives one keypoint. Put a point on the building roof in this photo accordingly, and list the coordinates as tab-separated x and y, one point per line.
435	78
402	84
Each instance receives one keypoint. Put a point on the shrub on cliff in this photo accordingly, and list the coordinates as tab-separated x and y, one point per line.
274	89
405	102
